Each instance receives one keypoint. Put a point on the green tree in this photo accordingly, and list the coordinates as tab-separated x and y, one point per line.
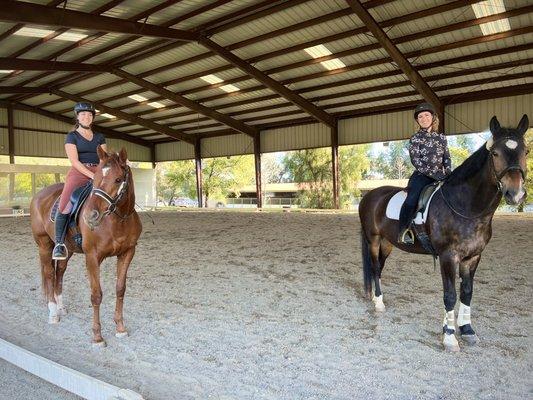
394	162
529	178
226	174
313	169
461	147
220	175
353	165
177	179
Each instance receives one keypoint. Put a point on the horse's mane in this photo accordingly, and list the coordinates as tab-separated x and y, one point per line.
469	167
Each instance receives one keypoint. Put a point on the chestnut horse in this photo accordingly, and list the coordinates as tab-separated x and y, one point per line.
459	222
109	226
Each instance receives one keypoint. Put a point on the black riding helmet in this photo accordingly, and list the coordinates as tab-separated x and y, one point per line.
83	106
424	107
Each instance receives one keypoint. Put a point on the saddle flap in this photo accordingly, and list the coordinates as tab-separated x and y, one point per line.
395	204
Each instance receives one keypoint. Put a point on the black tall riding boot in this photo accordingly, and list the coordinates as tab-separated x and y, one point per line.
406	235
60	251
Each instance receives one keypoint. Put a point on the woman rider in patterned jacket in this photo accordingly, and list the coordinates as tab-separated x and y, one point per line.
80	146
430	156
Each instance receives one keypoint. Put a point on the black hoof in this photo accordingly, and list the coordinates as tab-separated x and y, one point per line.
468	335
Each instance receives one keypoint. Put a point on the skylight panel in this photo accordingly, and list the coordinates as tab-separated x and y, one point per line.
319	51
229	88
42	33
212	79
138	97
491	7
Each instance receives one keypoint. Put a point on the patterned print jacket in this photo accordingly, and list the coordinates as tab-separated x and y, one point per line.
429	154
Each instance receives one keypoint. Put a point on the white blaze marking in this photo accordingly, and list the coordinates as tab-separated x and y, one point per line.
105	170
512	144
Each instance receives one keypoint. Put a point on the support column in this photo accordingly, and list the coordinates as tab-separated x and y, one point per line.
257	158
440	113
33	184
57	178
335	164
11	149
152	155
198	160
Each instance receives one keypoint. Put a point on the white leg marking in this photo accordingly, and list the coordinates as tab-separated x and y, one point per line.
378	303
463	317
53	317
449	340
61	309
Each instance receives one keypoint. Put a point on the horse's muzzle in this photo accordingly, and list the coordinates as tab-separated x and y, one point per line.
515	197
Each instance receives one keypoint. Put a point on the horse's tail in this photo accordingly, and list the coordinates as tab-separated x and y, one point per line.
367	264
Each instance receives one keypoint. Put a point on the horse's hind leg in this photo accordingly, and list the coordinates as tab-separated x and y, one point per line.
48	276
374	248
123	262
61	266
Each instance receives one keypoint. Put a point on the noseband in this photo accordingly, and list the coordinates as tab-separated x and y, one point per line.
113	201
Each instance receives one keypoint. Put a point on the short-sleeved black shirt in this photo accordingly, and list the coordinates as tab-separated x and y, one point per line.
86	148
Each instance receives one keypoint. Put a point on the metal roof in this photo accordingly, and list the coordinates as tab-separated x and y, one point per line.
169	46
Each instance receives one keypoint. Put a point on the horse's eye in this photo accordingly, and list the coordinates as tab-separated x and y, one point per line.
118	180
494	153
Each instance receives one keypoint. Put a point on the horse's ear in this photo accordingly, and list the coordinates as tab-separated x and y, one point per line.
523	125
123	155
102	155
494	125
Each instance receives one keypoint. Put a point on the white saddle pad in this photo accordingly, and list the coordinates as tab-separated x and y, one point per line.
395	205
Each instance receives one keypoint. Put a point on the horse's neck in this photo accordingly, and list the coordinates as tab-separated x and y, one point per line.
479	193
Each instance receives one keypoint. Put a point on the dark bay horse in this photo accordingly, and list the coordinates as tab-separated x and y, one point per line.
459	222
109	226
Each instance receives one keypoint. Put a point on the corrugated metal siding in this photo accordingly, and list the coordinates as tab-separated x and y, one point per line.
377	128
295	137
227	146
475	116
29	120
4	144
174	151
39	144
135	152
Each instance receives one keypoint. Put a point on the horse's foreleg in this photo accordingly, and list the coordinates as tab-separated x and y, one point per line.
58	290
93	270
467	271
123	262
448	263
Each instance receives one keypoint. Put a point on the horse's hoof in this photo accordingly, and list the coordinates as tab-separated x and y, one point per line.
53	320
450	343
121	334
98	345
62	311
379	306
470	339
452	348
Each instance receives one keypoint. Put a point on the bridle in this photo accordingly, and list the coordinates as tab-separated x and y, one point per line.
514	167
497	177
113	201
